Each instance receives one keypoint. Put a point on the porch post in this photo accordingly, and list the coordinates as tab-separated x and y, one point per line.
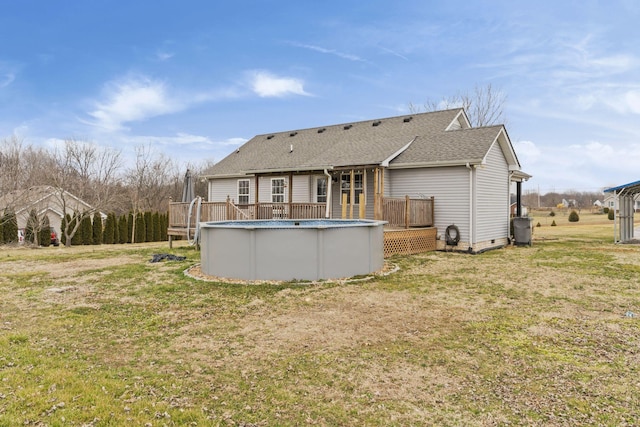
519	199
376	198
352	193
255	201
290	195
381	197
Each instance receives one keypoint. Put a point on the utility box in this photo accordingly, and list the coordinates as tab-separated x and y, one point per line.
522	231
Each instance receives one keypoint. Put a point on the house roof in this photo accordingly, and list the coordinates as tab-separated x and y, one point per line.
416	140
37	196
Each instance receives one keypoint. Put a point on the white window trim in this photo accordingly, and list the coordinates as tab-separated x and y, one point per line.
248	191
364	187
284	187
317	178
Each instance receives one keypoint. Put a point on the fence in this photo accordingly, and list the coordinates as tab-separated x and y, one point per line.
406	212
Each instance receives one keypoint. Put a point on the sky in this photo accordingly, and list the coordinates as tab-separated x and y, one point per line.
194	79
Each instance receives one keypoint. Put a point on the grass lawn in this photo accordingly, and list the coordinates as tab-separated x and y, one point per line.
541	335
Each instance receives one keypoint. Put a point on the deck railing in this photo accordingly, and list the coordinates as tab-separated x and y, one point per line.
406	212
227	211
398	212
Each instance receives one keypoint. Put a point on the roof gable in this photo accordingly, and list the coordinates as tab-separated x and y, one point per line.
40	197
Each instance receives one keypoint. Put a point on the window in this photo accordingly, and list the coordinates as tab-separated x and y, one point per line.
243	191
321	189
277	190
345	186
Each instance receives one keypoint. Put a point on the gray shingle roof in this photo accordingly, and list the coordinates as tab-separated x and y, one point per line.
362	143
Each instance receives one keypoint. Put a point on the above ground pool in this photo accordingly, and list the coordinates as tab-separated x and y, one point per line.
291	249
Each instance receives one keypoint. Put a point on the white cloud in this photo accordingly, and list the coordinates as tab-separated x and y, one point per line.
130	100
163	56
6	79
185	147
339	54
265	85
632	99
8	72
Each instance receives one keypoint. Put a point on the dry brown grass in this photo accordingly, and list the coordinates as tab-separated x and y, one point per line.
530	336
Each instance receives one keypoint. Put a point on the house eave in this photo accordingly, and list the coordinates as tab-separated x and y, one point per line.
286	170
465	162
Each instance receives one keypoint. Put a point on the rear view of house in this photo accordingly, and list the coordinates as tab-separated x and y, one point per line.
351	170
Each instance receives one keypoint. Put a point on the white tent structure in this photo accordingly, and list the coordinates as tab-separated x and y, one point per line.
624	198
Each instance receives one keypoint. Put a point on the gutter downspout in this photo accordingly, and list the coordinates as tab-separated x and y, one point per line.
328	202
470	207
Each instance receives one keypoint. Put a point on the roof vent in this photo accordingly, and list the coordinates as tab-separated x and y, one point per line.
270	136
376	123
346	127
321	130
407	119
293	133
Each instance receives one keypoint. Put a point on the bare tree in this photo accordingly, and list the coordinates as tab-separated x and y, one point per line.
484	105
87	172
151	181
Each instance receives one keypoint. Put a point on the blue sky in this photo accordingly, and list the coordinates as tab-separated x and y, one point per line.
194	79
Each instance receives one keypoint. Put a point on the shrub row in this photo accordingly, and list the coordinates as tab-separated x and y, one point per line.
148	227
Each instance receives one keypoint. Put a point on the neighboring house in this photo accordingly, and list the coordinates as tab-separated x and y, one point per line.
514	209
571	203
611	203
47	201
468	171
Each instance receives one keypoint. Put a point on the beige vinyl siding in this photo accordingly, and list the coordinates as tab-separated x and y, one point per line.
449	186
492	197
219	189
301	189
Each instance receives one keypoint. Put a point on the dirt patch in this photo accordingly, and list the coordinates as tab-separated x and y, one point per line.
329	320
64	268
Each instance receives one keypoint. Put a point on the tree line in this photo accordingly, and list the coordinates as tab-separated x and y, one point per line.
578	199
97	175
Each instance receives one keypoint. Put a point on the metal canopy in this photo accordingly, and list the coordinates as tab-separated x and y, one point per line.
624	196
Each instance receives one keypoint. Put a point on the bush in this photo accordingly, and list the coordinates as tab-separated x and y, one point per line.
96	229
538	225
109	234
552	213
611	214
605	210
86	230
553	224
32	230
45	232
9	226
574	217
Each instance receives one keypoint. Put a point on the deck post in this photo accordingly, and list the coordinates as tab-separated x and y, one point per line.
407	206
